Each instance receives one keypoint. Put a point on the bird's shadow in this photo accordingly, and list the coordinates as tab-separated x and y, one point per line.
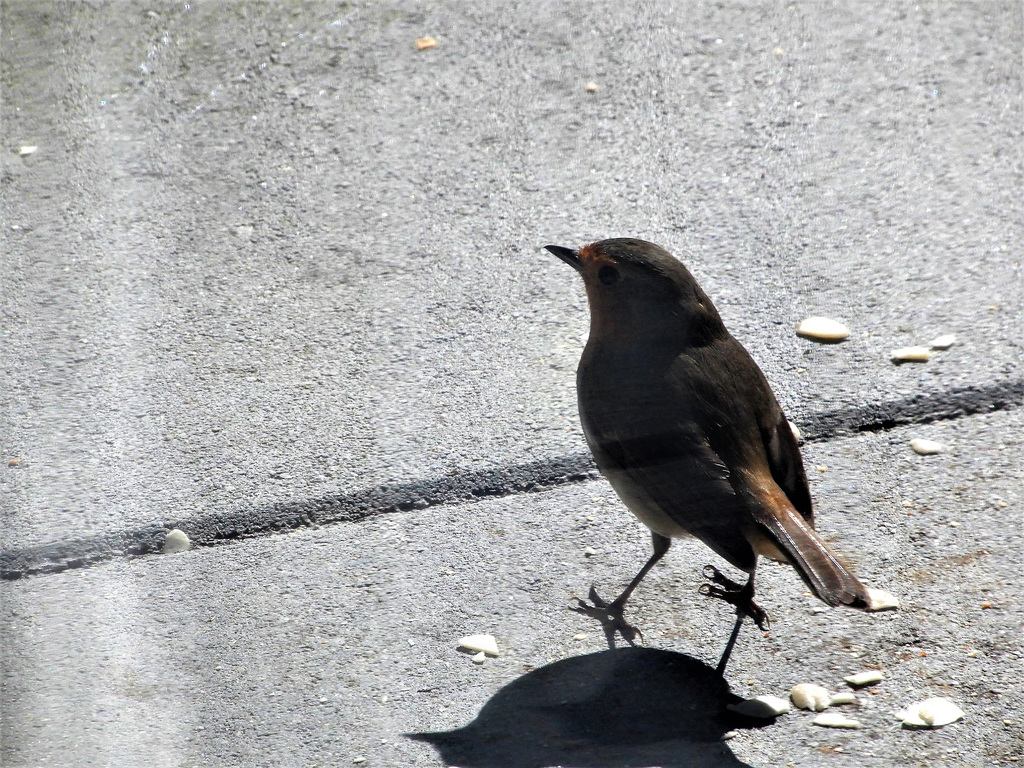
613	709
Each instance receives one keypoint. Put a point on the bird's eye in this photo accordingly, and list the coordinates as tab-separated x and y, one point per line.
608	274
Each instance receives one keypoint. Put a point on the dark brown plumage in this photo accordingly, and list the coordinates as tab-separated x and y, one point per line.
687	430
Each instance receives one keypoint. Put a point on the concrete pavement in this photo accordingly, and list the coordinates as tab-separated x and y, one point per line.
271	267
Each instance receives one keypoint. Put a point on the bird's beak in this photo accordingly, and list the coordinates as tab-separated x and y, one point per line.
568	255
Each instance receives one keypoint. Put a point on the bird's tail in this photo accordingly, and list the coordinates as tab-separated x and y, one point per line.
823	572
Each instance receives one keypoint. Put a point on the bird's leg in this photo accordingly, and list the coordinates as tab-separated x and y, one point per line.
726	589
610	614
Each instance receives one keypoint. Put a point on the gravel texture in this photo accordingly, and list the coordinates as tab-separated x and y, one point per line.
271	269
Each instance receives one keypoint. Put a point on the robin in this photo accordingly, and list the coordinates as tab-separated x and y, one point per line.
683	424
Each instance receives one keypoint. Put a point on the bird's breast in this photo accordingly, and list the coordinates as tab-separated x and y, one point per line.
636	497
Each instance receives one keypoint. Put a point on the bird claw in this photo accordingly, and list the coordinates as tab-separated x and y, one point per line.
742	597
758	614
713	574
610	616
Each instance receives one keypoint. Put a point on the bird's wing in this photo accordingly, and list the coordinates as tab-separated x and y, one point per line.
726	374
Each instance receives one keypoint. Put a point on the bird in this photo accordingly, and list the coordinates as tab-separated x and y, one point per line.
685	427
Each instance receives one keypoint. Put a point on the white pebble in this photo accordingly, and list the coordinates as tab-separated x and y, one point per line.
589	552
810	696
580	636
943	342
822	329
479	658
176	541
866	677
932	713
764	707
483	643
27	150
359	759
911	355
836	720
796	432
926	447
880	600
843	697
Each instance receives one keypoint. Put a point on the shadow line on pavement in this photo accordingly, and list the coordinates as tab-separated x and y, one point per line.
216	528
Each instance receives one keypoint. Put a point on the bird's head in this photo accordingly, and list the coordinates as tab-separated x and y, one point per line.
635	287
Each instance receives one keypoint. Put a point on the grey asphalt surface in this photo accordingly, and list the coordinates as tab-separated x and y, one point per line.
326	645
272	267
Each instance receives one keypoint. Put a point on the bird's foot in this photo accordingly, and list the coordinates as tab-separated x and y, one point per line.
742	596
610	616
